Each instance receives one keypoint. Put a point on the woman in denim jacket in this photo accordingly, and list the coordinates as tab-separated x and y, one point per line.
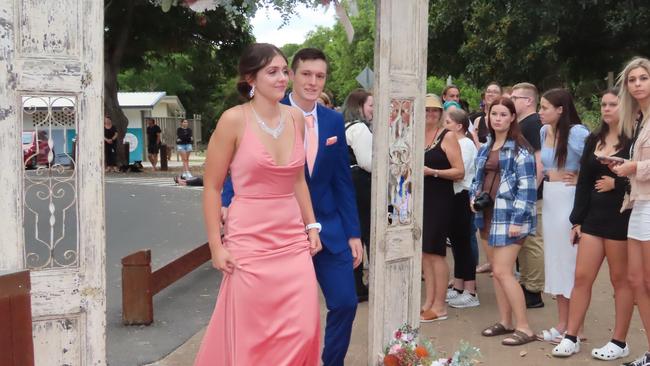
509	216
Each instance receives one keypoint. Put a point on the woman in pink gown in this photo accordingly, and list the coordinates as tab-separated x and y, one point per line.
267	310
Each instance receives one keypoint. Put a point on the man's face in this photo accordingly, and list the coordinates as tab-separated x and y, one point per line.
452	94
521	100
309	79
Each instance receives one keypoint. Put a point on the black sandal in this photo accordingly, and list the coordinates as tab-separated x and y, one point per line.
496	329
518	338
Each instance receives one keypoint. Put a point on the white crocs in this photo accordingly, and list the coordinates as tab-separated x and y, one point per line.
566	348
610	351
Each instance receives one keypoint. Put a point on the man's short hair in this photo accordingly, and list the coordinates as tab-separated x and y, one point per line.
530	87
306	54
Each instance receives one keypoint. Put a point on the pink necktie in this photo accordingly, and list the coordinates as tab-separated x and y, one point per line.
312	142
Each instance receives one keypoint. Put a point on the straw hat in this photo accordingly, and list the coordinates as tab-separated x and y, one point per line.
432	101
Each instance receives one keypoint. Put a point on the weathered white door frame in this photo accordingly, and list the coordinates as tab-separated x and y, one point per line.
398	150
51	62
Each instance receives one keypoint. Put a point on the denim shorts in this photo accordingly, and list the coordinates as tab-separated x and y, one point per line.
184	147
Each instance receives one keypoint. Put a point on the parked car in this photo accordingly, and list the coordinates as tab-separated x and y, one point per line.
35	150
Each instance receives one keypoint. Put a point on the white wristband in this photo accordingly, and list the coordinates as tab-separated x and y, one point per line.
314	225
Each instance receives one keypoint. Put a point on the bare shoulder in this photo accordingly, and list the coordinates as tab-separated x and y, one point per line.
294	112
450	138
231	121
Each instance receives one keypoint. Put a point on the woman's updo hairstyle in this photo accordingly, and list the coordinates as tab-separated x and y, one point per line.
253	59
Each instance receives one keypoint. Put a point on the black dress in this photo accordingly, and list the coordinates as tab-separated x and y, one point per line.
599	213
438	202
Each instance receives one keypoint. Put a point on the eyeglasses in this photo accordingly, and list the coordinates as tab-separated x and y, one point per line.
492	91
515	97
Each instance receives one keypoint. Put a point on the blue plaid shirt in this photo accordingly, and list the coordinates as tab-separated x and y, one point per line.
516	196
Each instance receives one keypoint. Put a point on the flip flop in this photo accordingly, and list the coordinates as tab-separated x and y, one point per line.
430	316
518	338
484	268
496	329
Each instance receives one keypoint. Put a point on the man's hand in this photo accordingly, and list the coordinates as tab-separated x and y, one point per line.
357	251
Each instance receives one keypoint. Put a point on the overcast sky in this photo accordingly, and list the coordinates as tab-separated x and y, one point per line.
266	24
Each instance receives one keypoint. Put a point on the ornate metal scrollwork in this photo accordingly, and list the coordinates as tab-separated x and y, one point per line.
50	182
400	169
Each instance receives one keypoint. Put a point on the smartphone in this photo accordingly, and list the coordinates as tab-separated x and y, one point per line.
610	159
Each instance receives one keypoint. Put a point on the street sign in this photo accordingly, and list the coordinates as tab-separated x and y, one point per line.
366	78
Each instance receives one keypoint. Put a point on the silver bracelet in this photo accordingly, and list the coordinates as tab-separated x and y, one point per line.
314	225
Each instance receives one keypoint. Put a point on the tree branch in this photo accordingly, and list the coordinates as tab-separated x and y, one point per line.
123	38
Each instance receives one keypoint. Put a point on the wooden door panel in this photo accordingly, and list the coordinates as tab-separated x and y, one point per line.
53	206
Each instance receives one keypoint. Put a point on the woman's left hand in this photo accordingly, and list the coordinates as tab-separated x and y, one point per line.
604	184
427	171
315	245
571	179
514	231
626	169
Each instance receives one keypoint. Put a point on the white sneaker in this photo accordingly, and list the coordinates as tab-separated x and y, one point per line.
452	294
465	300
566	348
610	351
642	361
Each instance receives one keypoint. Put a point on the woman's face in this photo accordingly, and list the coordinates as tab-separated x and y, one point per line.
492	92
501	118
433	115
184	123
367	109
638	83
609	108
271	80
452	125
548	113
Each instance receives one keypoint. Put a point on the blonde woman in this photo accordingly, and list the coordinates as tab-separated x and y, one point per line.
635	112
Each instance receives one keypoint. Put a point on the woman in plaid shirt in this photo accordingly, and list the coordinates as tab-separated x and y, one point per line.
510	216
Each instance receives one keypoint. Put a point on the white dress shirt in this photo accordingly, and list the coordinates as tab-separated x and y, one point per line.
468	152
359	138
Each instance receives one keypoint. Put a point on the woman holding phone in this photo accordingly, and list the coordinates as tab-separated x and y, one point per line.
602	231
635	112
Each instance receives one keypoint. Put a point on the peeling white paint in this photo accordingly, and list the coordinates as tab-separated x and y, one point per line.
56	48
400	71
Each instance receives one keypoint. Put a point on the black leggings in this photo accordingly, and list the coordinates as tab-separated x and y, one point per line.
110	154
460	237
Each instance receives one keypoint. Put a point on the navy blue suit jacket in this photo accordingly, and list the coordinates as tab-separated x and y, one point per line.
330	185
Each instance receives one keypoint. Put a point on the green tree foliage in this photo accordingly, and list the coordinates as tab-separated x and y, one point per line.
144	38
347	60
549	43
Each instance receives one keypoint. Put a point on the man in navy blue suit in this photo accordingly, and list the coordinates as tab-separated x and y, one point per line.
327	171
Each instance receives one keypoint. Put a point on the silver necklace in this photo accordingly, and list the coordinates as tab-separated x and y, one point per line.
274	132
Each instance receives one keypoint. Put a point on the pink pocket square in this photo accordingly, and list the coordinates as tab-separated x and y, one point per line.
331	141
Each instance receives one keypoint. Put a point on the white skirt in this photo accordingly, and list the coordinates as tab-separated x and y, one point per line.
559	254
639	226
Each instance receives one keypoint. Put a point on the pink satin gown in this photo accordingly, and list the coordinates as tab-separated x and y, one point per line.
267	312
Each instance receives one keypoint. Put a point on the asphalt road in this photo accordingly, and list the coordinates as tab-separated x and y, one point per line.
169	221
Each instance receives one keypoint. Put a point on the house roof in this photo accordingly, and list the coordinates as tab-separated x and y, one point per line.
139	99
125	99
